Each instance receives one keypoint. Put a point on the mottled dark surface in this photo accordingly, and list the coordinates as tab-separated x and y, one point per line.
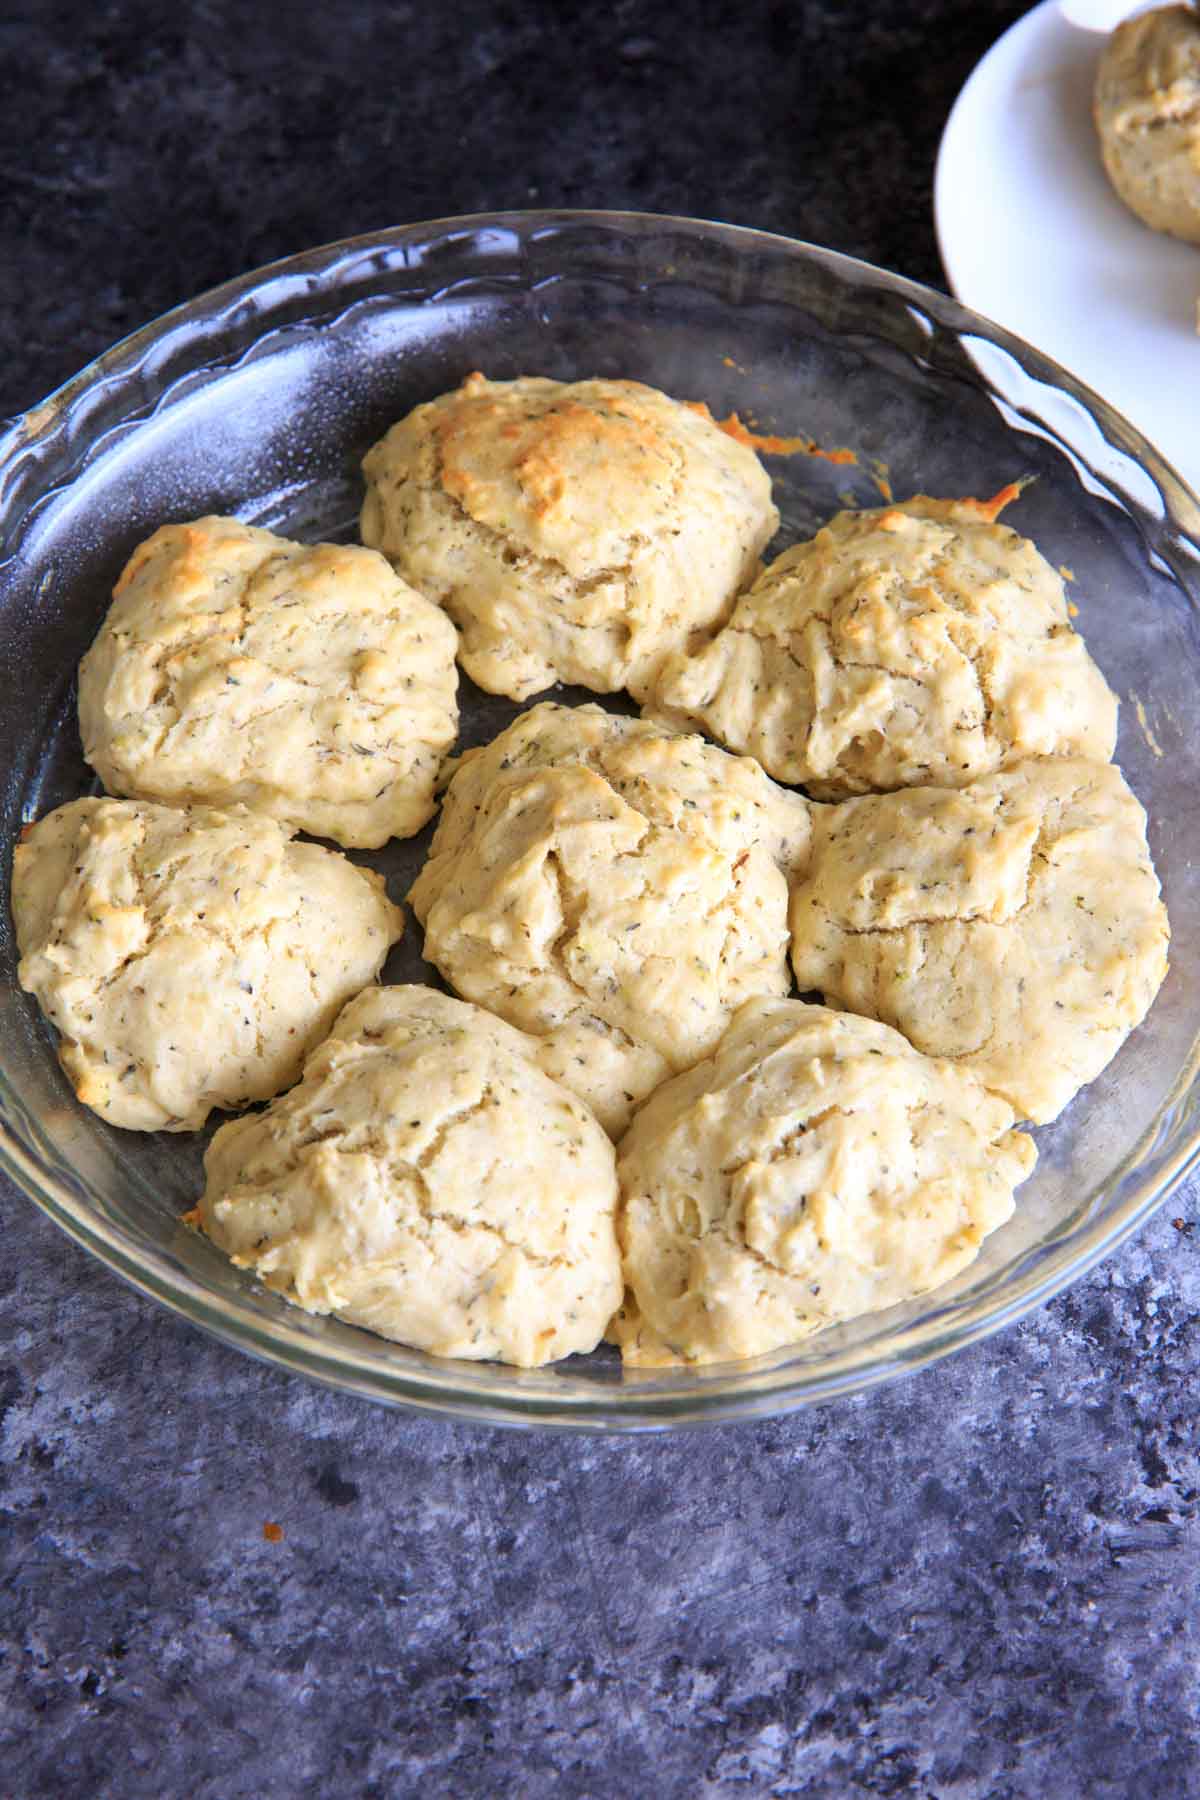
980	1582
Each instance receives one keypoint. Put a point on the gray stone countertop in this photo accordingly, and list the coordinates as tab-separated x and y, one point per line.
977	1582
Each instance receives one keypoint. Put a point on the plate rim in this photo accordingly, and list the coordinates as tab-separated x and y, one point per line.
959	138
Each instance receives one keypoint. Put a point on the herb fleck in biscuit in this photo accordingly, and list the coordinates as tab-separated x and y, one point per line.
901	647
614	889
306	682
813	1169
1014	926
574	531
427	1181
188	958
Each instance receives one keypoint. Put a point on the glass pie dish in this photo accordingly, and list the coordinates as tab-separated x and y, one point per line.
260	398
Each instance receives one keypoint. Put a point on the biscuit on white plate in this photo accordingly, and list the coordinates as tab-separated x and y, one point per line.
188	958
613	888
903	646
1146	107
426	1180
1014	926
815	1168
307	682
575	531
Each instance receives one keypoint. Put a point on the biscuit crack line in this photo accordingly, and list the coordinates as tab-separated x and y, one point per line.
465	1228
580	585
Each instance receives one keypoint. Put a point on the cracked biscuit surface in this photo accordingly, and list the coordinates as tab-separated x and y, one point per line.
188	958
426	1180
614	889
1014	926
574	531
903	646
815	1168
1146	108
307	682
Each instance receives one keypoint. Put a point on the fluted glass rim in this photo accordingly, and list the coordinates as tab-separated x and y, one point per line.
162	352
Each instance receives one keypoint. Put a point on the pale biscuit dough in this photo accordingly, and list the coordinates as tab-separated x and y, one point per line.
1014	926
1147	112
902	646
815	1168
574	531
188	958
427	1181
307	682
614	889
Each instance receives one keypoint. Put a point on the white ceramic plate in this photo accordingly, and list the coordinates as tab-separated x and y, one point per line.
1032	235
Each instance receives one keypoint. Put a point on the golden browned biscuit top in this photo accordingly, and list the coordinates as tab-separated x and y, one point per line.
574	531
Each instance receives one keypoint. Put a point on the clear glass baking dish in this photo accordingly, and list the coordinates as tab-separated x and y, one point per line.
259	399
